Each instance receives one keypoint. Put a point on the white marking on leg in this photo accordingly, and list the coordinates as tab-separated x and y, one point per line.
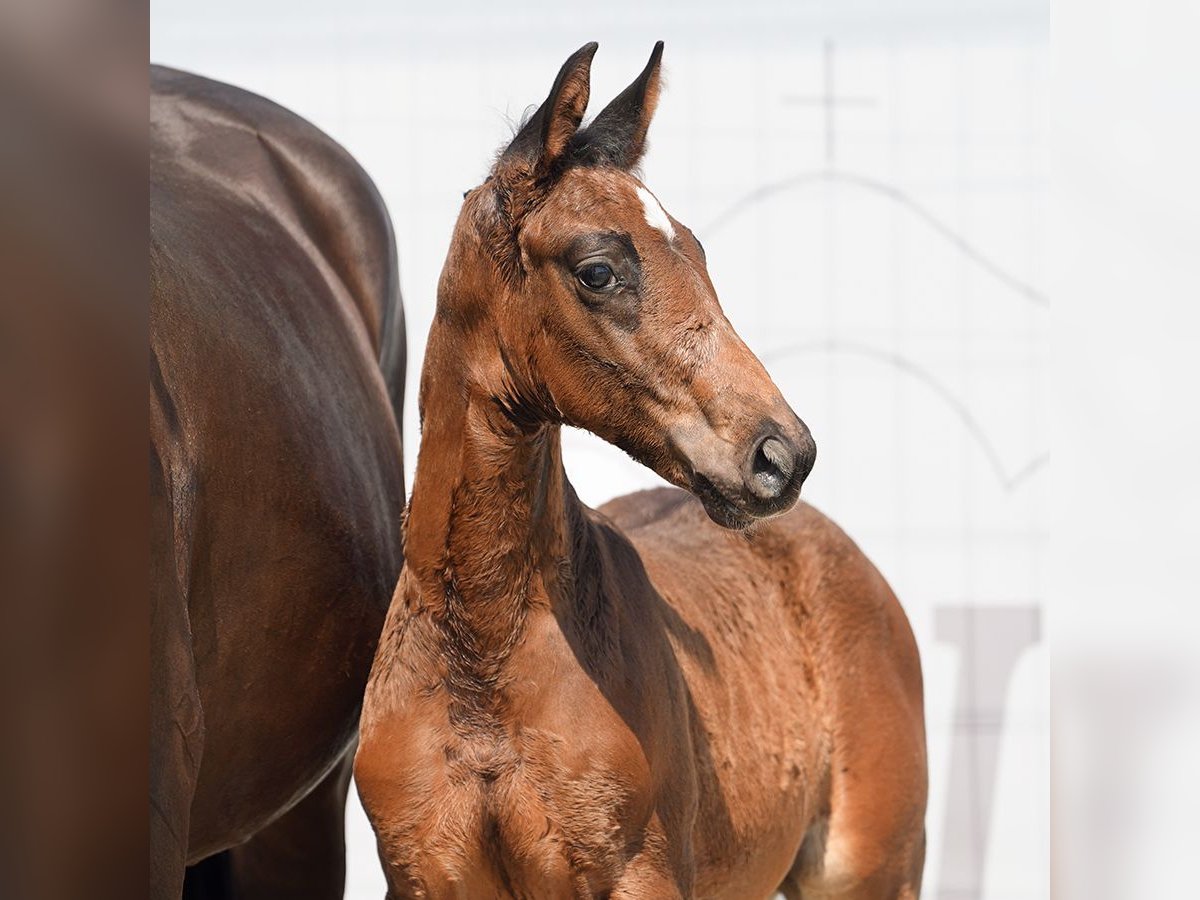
656	216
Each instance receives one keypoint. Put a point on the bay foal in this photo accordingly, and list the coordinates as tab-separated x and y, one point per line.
634	702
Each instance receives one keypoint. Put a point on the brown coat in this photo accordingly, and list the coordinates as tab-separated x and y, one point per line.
673	696
277	372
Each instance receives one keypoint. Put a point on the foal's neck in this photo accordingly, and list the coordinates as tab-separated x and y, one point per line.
493	521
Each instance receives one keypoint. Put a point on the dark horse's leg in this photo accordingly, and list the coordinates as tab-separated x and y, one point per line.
176	719
300	856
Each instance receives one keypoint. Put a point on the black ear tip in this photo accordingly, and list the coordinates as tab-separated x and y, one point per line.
581	58
655	59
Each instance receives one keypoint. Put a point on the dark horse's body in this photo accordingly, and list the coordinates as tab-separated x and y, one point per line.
277	371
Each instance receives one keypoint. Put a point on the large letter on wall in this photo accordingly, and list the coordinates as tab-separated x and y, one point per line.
990	640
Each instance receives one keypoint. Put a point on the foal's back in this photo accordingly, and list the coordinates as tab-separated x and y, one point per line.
804	680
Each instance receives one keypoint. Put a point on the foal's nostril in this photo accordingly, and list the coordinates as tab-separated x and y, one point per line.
771	468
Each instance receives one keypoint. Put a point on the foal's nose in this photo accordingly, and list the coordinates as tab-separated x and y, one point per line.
778	464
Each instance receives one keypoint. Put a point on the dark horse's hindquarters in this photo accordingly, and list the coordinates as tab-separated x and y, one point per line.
277	372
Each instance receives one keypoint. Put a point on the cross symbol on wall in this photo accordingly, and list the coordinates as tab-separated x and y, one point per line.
830	101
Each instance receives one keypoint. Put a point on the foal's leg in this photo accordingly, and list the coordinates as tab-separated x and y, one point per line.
648	885
653	878
899	882
872	844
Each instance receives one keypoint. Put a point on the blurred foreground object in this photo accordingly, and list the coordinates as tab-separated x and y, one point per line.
73	625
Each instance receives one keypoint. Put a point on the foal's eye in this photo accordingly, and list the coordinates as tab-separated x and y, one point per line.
597	277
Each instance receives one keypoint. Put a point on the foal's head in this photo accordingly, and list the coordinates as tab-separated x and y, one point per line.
577	298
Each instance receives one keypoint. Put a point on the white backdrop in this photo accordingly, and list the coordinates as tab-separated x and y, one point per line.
869	184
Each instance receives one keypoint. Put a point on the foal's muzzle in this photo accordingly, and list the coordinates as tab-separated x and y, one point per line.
762	480
776	466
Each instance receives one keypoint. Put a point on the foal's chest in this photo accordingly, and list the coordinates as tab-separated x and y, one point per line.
546	794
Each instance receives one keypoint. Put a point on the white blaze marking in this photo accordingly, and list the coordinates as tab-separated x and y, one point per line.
656	216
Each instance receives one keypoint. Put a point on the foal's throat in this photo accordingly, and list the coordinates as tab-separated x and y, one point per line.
492	519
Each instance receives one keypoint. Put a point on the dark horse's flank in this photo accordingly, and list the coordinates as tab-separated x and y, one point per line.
277	372
707	694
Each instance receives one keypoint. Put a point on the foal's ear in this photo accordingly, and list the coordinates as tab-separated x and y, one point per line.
618	134
542	140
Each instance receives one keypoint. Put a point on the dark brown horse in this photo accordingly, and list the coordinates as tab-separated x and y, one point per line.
277	371
677	696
